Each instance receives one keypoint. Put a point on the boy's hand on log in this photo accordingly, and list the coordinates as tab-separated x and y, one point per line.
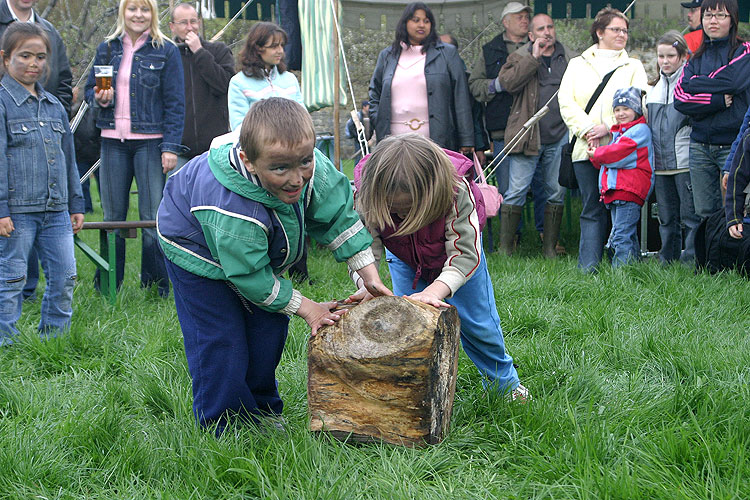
317	314
361	295
371	282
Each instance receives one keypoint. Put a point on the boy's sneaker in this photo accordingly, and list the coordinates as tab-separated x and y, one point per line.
520	394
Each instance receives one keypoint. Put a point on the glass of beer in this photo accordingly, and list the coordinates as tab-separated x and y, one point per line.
103	75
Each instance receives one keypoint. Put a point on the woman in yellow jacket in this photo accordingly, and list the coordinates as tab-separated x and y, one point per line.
609	32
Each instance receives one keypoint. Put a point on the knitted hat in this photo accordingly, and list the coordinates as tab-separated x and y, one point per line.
629	97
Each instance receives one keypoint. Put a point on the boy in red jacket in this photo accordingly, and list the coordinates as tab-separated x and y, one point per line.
626	173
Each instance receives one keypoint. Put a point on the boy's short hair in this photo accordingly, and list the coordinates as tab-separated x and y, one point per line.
275	121
412	164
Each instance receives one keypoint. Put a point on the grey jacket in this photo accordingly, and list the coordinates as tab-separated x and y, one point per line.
670	129
448	99
59	80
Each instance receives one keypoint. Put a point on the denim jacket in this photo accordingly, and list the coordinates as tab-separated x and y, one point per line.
38	171
157	91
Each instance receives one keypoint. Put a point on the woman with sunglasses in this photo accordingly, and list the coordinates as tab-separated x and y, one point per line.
609	32
714	91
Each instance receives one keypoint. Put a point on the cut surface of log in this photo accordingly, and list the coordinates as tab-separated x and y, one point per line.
385	371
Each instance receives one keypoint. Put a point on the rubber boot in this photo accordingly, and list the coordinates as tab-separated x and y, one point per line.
552	220
510	216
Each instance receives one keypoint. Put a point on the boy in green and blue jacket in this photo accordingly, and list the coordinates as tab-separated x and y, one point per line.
232	221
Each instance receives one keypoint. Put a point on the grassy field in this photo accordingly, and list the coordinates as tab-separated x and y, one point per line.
640	377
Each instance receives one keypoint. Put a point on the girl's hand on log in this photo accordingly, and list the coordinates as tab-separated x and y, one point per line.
428	299
433	295
317	314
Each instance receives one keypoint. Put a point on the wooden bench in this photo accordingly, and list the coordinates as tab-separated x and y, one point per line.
105	259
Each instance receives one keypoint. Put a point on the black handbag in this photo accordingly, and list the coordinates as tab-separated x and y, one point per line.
567	176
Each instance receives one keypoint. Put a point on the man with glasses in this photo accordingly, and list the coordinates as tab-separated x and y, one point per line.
694	37
207	67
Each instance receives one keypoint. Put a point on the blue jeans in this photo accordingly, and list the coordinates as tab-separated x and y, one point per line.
706	163
594	219
52	236
481	334
232	349
624	236
32	270
502	174
522	170
674	197
121	161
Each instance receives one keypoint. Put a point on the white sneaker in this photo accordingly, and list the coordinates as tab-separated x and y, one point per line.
520	394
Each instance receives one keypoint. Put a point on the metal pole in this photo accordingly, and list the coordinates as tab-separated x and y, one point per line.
336	84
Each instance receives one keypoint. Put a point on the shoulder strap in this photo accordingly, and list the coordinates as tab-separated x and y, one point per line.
594	97
599	90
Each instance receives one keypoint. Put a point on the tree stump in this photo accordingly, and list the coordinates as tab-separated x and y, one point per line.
386	371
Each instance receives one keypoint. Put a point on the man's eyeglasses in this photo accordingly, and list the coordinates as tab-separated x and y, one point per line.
191	22
720	16
618	31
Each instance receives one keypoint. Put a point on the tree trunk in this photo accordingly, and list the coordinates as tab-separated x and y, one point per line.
386	371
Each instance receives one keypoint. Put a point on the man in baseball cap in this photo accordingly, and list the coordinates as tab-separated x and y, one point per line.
483	79
695	37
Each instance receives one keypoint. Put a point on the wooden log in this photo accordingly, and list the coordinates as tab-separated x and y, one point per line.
386	371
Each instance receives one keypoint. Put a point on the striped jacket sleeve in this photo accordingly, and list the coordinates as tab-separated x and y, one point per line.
623	152
331	219
462	240
703	94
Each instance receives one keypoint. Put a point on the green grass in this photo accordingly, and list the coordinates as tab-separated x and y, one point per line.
639	376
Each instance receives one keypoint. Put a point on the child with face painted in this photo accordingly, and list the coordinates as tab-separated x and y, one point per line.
41	203
626	173
232	221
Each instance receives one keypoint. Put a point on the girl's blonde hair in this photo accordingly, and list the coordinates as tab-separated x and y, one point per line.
410	164
157	37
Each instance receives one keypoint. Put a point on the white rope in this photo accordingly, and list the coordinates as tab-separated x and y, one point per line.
78	117
221	32
91	170
361	136
492	23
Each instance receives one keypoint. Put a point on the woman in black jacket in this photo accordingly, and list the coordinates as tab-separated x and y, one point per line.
419	85
714	91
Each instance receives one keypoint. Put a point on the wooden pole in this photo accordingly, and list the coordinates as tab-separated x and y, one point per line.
336	85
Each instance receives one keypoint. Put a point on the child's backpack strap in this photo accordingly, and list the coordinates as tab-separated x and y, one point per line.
465	168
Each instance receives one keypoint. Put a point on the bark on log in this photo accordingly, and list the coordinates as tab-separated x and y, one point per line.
386	371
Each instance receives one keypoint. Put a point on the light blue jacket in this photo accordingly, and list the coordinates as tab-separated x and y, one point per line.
245	90
38	171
